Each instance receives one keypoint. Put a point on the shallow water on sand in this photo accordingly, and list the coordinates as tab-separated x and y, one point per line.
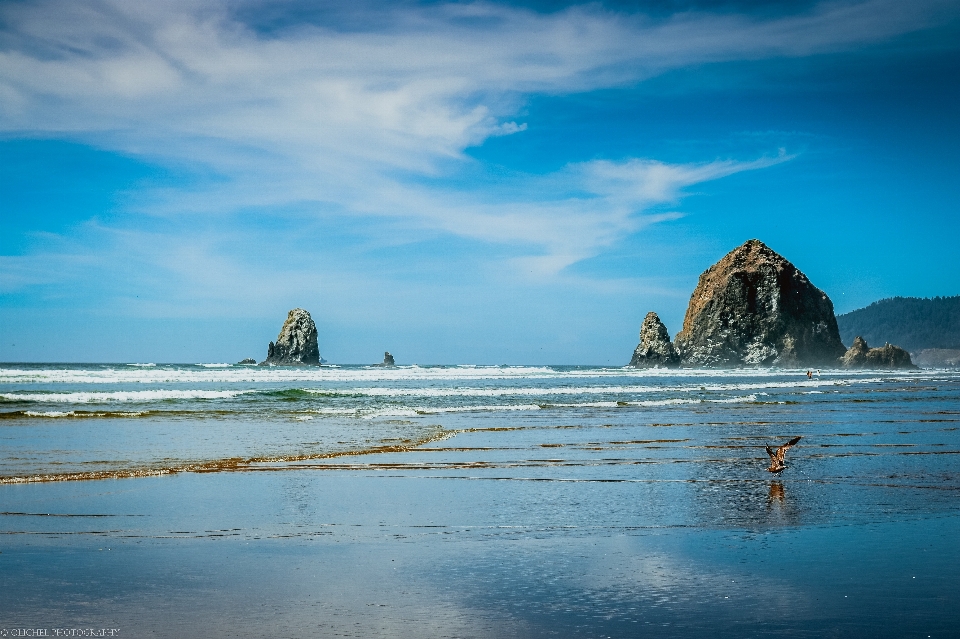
478	501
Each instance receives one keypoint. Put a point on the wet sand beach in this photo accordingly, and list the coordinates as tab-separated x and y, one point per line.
614	520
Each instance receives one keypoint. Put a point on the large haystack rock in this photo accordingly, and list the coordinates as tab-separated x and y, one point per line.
860	355
655	349
753	307
297	343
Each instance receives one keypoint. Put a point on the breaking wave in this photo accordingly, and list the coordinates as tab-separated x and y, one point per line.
143	396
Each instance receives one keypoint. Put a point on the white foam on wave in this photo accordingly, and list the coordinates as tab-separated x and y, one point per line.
70	413
675	401
415	411
471	409
461	391
683	380
501	391
120	396
664	402
49	413
159	374
583	405
169	374
733	400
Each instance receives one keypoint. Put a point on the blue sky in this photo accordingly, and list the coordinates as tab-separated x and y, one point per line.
457	182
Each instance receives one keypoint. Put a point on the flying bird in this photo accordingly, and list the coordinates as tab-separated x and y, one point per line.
776	456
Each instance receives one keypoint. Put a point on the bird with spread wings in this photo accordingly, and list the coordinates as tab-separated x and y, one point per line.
777	456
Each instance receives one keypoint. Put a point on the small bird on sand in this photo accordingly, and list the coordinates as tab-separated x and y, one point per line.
776	456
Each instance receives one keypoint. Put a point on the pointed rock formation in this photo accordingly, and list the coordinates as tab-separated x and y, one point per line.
856	355
297	343
753	307
860	355
655	348
388	360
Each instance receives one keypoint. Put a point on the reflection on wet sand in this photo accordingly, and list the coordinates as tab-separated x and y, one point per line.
799	509
776	496
757	504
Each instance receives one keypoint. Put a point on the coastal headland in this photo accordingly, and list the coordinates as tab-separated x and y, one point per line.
755	308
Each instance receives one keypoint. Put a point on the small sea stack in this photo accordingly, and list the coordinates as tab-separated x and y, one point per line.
887	357
388	359
247	361
655	349
297	343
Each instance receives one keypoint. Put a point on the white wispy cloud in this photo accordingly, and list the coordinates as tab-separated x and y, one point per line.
357	120
570	214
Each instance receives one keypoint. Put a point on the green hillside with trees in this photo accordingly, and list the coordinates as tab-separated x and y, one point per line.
913	323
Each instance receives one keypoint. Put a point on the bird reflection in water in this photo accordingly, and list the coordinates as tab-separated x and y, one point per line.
776	496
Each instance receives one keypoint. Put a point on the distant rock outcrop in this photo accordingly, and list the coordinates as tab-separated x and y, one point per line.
860	355
910	322
856	355
655	348
753	307
248	360
388	360
297	343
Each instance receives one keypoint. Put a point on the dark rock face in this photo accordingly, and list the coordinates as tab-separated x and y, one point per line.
860	355
655	348
755	308
297	343
388	360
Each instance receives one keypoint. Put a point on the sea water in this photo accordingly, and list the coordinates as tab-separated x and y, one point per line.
479	500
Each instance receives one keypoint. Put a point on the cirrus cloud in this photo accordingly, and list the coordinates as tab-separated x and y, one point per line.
360	121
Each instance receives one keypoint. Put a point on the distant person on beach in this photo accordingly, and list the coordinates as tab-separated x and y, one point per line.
809	374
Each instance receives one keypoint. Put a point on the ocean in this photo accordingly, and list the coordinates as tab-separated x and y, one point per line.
477	501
